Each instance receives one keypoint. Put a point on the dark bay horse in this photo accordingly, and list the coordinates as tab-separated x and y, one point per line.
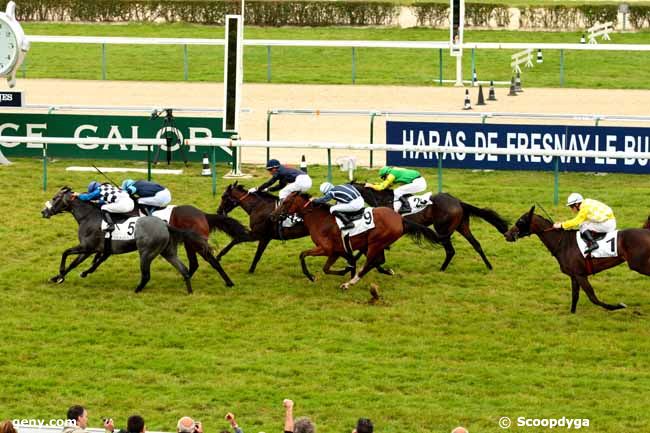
447	214
633	246
258	206
153	237
324	232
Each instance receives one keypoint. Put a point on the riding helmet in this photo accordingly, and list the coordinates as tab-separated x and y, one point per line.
273	163
574	198
93	186
325	187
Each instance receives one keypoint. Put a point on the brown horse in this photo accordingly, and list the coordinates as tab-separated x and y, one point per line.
259	206
447	214
324	232
633	247
647	223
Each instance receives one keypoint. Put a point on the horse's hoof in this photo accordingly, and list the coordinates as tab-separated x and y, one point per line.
55	279
345	286
311	278
84	274
390	272
622	305
230	284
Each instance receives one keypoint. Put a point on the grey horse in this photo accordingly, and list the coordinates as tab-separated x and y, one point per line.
153	237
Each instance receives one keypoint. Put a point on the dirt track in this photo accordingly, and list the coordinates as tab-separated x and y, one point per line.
355	129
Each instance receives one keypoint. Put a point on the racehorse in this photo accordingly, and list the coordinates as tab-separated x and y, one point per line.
259	206
447	214
153	236
633	246
324	232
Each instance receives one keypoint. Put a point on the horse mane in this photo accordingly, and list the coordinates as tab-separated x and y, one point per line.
261	194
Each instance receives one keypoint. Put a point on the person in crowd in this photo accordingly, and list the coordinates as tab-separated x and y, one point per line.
301	425
289	180
592	217
111	199
77	420
230	417
135	424
188	425
411	182
150	195
348	200
364	425
7	426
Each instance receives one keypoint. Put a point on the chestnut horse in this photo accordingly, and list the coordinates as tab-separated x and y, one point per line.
633	247
447	214
325	233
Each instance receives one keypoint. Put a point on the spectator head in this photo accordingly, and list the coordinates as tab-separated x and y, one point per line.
459	430
135	424
364	425
7	427
185	425
79	415
304	425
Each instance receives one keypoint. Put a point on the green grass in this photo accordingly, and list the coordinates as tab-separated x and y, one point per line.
625	70
462	347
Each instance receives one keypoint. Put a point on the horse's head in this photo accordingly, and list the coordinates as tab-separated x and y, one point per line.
294	203
522	227
61	202
230	198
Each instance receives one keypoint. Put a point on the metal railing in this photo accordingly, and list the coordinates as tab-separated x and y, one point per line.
351	44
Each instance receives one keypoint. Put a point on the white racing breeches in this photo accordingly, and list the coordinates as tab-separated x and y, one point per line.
161	199
302	184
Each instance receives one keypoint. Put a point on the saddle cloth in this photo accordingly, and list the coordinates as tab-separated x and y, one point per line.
361	225
607	246
164	214
124	231
417	203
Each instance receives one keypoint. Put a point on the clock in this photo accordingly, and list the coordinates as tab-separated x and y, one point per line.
13	44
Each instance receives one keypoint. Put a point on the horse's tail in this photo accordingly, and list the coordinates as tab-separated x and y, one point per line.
187	235
488	215
229	226
416	231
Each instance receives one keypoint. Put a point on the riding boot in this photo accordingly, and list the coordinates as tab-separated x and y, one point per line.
406	207
109	220
588	236
345	219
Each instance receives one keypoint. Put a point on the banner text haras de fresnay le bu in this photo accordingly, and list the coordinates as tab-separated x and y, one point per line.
461	136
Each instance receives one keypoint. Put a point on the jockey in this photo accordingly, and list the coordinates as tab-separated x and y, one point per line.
149	194
412	181
111	199
290	180
592	217
347	199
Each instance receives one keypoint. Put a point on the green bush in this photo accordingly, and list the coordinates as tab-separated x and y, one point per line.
480	14
431	14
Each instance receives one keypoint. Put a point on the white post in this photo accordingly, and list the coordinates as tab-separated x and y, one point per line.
459	71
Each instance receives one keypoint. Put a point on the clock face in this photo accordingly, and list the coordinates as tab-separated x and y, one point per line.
8	47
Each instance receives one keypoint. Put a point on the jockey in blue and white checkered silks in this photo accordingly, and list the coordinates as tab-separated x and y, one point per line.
111	198
289	180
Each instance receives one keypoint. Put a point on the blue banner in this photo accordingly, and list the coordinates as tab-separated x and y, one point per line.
461	136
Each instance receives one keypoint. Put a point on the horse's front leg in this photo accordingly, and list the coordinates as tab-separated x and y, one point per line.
98	260
317	251
62	269
575	294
